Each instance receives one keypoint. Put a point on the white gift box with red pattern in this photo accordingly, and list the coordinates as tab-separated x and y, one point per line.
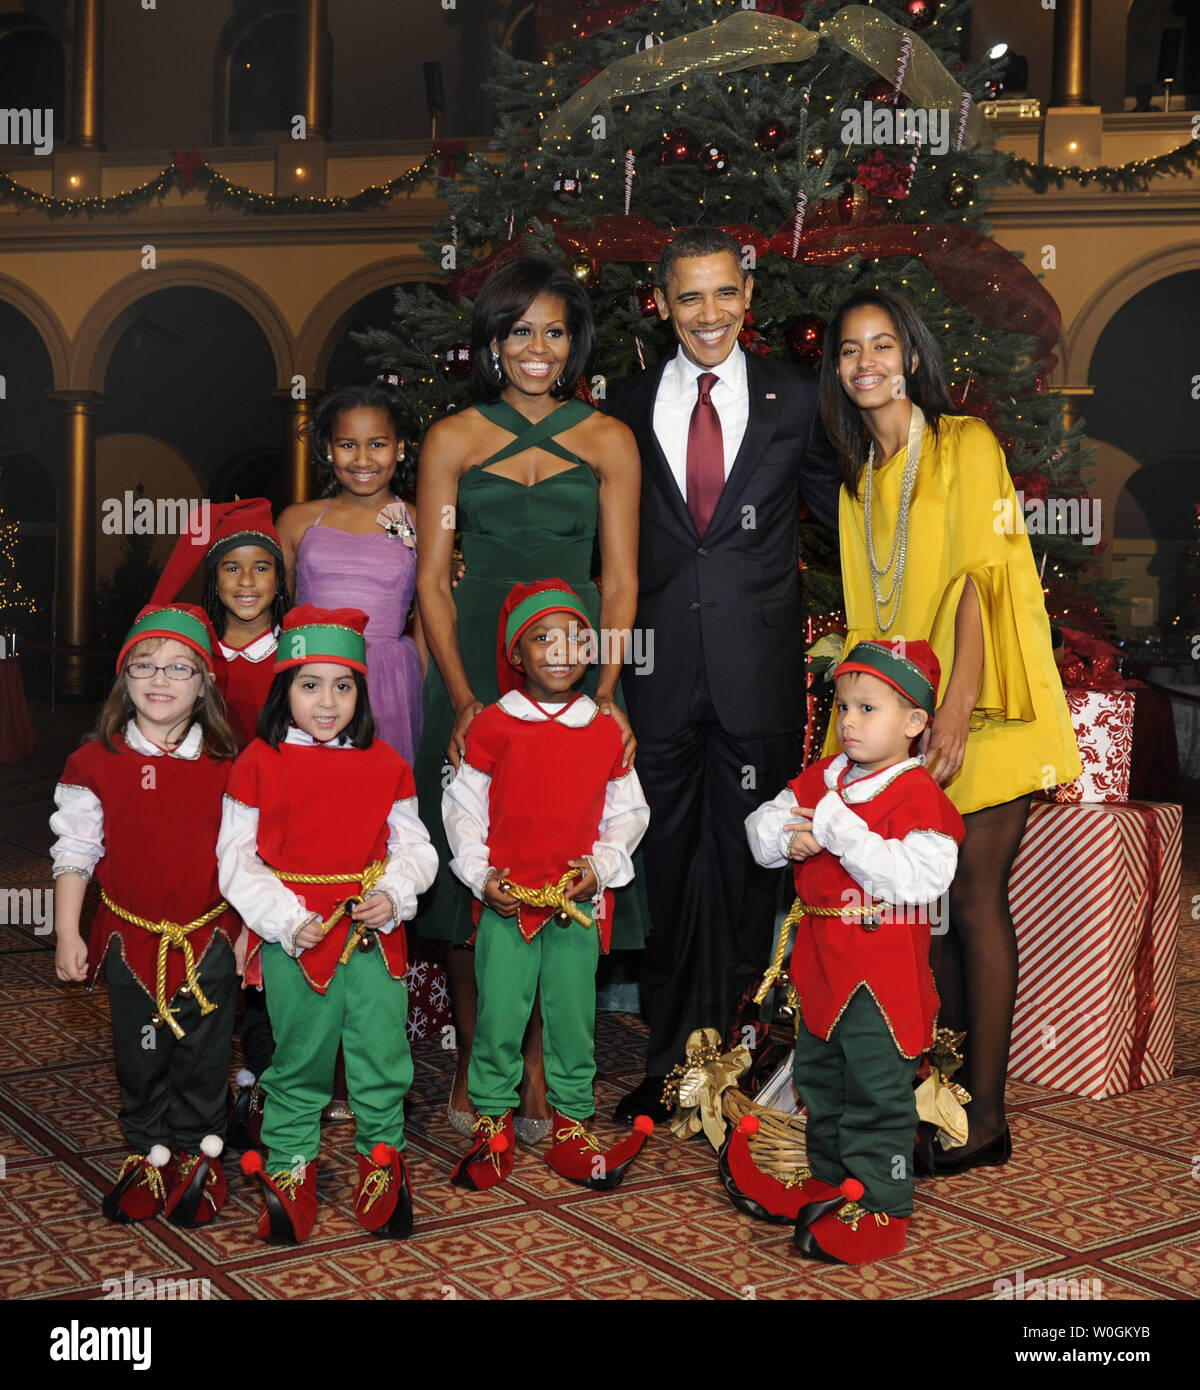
1103	724
1094	895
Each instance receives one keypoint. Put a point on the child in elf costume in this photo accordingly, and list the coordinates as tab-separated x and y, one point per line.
323	854
542	819
874	840
245	597
139	805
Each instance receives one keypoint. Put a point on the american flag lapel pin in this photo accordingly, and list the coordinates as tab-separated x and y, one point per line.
770	395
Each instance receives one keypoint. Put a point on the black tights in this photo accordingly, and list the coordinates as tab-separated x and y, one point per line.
975	962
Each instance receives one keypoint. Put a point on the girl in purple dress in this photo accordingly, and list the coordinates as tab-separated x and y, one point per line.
355	546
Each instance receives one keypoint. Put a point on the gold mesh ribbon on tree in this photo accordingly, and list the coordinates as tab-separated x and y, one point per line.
749	39
362	937
939	1100
694	1088
552	895
171	934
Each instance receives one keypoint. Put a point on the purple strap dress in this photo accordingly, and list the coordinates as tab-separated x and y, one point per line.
377	574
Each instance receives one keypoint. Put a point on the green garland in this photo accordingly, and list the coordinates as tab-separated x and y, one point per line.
186	173
1134	176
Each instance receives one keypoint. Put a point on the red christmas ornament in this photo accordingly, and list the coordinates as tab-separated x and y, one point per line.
881	90
678	147
458	358
645	301
714	159
920	12
806	337
770	134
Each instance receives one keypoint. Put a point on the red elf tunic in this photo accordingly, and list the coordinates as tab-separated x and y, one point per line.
545	799
244	678
834	956
325	811
161	820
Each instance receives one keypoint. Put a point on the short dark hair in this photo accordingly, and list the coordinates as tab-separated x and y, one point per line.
506	295
275	717
218	614
697	241
368	395
924	383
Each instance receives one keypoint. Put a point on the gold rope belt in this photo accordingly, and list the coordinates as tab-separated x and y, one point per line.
550	895
362	937
775	972
171	934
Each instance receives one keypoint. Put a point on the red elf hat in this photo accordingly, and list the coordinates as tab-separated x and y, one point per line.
213	529
322	634
912	668
525	604
182	622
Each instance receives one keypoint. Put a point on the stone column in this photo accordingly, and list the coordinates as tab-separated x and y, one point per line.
87	77
75	587
312	66
297	472
1072	45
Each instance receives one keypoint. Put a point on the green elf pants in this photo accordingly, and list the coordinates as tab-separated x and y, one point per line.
509	971
862	1118
366	1011
174	1091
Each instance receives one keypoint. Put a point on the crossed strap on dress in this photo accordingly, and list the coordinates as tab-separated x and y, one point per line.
533	435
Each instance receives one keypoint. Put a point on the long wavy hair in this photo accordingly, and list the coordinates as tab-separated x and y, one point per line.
925	382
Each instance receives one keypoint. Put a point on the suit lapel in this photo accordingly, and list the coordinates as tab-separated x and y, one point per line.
760	427
654	461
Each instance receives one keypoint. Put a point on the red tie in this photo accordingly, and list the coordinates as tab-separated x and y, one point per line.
705	455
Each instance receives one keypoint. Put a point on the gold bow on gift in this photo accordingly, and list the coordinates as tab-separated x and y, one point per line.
939	1100
694	1088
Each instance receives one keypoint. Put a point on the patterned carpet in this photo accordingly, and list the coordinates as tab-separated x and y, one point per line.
1101	1190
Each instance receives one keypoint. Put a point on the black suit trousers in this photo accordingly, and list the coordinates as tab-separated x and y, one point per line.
712	908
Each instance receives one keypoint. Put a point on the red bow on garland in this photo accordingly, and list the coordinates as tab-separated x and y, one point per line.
188	164
449	151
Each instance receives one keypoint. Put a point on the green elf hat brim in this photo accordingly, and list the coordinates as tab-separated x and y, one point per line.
227	543
536	606
181	623
874	659
307	644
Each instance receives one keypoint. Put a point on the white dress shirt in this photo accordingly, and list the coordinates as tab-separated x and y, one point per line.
677	397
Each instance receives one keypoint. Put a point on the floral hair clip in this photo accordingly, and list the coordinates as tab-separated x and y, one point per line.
394	520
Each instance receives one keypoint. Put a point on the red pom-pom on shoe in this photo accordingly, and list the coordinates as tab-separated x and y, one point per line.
643	1124
851	1189
498	1143
252	1162
381	1154
748	1125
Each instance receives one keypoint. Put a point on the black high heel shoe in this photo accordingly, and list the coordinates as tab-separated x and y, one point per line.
993	1155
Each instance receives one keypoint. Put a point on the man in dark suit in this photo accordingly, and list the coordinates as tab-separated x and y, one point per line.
729	443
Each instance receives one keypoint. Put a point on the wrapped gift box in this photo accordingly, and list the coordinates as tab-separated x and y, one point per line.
1094	895
428	993
1103	724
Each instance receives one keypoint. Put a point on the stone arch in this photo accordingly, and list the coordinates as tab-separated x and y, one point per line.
45	321
1079	342
317	340
117	308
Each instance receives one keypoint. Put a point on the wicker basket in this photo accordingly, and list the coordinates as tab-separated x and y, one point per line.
778	1148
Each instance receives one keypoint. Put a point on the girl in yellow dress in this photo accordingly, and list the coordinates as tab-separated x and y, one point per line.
933	547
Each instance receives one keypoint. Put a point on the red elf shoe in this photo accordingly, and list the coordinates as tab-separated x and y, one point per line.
140	1190
291	1201
848	1191
577	1154
492	1158
383	1197
200	1188
758	1194
852	1236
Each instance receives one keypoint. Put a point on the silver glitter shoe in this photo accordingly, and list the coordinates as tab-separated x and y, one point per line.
461	1121
531	1131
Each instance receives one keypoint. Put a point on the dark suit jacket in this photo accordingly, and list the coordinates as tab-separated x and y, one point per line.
732	596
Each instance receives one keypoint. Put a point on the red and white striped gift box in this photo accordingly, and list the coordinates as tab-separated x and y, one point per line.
1095	898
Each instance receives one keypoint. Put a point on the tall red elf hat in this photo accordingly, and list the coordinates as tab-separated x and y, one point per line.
313	634
912	668
181	622
213	529
525	604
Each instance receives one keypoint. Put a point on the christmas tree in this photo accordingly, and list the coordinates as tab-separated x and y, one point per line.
14	602
644	118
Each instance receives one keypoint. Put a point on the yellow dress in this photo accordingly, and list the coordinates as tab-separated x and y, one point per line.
1020	735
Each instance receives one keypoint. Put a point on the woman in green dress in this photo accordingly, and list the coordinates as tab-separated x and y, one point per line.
531	477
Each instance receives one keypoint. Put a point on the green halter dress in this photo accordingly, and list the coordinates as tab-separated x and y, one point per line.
511	534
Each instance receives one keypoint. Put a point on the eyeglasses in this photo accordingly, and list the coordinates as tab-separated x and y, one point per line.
145	670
